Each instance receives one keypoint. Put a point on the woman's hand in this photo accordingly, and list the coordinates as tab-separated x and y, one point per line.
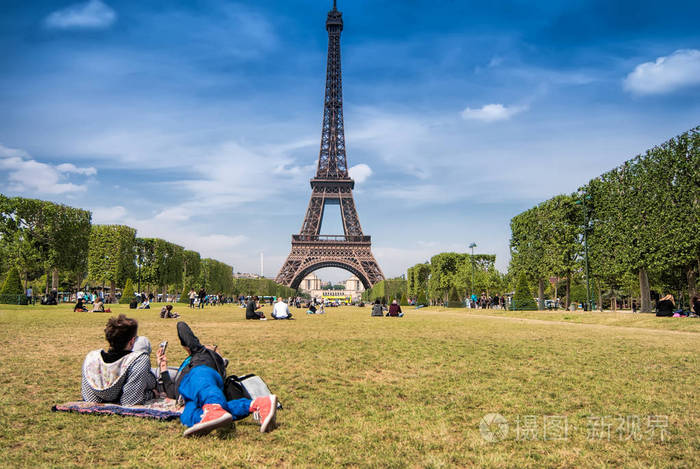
162	360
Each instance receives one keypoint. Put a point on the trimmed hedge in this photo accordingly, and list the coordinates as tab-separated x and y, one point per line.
127	293
523	300
12	291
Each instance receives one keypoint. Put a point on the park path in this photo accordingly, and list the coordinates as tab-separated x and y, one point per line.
566	323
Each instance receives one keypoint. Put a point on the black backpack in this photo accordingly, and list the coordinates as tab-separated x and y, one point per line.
248	386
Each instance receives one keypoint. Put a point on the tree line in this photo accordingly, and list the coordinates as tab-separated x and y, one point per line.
637	227
41	239
451	277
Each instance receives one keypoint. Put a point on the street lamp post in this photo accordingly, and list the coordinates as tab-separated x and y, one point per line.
138	264
472	246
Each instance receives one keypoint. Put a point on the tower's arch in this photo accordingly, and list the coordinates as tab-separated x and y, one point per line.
324	264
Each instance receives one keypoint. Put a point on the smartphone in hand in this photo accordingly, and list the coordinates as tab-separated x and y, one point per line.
163	346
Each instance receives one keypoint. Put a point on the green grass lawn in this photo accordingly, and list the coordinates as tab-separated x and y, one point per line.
361	391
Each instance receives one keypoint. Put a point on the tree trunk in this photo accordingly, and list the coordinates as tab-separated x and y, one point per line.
692	282
644	293
614	304
567	301
112	292
26	280
54	279
165	292
540	293
48	284
600	299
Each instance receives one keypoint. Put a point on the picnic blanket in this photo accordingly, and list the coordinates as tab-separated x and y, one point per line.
159	409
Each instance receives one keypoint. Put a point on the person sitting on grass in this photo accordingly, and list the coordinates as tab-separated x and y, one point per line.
146	304
200	382
312	308
99	307
119	374
80	306
377	308
281	310
695	305
395	310
250	311
167	312
665	306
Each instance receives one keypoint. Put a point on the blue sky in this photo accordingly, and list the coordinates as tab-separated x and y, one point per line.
199	122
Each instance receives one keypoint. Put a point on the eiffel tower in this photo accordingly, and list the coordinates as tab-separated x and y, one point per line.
332	186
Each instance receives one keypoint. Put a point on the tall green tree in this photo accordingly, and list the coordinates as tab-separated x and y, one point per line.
161	262
111	255
418	276
528	248
443	269
56	234
217	277
562	225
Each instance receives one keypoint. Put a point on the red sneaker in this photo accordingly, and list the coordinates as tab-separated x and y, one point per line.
213	416
264	410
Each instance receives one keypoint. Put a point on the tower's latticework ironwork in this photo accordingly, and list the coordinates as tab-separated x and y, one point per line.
332	185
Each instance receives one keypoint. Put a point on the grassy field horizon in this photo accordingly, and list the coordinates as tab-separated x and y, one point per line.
573	388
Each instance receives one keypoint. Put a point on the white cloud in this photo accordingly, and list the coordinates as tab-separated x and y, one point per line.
168	225
93	14
27	175
176	214
492	112
223	247
108	215
360	172
666	74
71	168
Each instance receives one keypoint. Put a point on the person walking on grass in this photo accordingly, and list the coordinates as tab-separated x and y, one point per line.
200	382
202	297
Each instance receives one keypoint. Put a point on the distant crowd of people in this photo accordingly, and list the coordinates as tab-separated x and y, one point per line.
95	301
487	301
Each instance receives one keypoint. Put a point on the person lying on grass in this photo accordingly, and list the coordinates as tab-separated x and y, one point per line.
119	374
200	382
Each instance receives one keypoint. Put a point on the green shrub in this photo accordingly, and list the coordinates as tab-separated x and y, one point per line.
422	300
404	300
454	301
127	293
12	291
523	300
185	295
